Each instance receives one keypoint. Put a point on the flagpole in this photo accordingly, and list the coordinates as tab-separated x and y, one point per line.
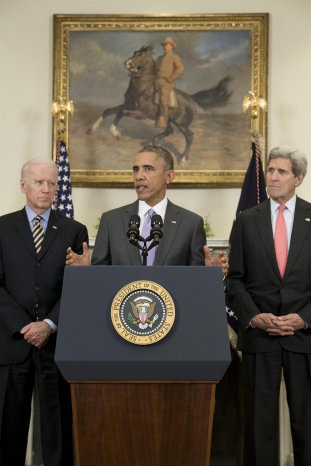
63	201
253	190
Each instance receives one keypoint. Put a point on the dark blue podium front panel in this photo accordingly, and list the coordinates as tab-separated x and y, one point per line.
89	348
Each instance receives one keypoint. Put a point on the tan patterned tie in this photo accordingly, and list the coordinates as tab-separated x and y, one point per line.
38	234
280	240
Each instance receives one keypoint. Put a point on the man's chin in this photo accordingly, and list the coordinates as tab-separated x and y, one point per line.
142	195
44	205
273	191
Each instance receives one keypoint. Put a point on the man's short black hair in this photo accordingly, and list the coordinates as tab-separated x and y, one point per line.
163	153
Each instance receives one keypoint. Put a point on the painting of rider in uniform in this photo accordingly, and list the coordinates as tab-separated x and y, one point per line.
170	68
180	89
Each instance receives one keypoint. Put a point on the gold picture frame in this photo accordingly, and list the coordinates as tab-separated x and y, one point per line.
226	53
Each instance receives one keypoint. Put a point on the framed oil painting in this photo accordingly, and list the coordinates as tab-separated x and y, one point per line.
109	67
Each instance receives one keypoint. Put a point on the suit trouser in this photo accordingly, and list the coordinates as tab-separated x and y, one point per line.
55	411
262	377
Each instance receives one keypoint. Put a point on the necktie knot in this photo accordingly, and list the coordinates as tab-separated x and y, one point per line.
37	219
150	213
282	208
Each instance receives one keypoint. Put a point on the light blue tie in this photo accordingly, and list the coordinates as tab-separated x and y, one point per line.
145	233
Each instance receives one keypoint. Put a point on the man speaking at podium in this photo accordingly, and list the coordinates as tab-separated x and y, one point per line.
183	242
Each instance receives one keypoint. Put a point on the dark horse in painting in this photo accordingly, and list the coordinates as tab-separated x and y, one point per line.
139	100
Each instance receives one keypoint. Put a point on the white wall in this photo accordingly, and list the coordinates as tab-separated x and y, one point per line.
26	73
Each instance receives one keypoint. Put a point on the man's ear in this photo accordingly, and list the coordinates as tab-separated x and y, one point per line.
170	176
299	180
22	185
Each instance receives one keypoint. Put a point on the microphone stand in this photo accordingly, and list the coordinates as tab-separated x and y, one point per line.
155	235
144	249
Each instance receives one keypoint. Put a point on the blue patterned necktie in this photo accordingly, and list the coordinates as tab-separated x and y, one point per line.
145	233
38	234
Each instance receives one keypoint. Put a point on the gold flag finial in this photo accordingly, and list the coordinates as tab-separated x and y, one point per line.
254	104
61	107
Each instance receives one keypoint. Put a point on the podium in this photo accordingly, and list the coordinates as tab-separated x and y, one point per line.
136	405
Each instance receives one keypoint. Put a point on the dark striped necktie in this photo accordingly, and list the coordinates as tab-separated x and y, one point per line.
38	234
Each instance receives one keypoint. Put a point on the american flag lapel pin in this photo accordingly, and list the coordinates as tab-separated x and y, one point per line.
55	227
174	221
307	219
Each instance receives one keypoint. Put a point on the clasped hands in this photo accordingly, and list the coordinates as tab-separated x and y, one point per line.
278	325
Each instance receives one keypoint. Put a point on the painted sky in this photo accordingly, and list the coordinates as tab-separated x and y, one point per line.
98	75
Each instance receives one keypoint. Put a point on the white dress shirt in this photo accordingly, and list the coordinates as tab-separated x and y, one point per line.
143	208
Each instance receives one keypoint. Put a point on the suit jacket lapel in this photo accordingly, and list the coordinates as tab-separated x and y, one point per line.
52	231
24	231
300	228
265	231
133	251
170	228
50	235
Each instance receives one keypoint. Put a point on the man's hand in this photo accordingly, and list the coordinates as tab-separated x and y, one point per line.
278	325
37	333
264	321
78	259
220	260
291	320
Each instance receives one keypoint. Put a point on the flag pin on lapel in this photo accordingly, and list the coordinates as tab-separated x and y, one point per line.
55	227
174	221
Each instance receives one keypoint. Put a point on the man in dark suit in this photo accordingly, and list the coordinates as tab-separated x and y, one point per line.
183	242
31	276
270	290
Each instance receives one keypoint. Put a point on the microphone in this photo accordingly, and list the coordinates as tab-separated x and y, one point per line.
156	231
133	231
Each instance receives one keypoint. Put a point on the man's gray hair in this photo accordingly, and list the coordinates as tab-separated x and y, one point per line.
297	158
29	163
163	153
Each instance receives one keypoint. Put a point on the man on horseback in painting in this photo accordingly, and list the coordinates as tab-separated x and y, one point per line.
170	68
140	101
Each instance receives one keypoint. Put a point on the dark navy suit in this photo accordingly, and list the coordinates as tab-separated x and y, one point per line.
27	279
255	286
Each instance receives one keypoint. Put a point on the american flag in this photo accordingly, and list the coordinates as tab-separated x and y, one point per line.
63	202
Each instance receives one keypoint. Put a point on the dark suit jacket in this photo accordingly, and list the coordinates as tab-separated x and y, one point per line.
182	242
255	284
26	278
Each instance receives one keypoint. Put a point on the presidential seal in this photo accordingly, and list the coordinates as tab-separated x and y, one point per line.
143	312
